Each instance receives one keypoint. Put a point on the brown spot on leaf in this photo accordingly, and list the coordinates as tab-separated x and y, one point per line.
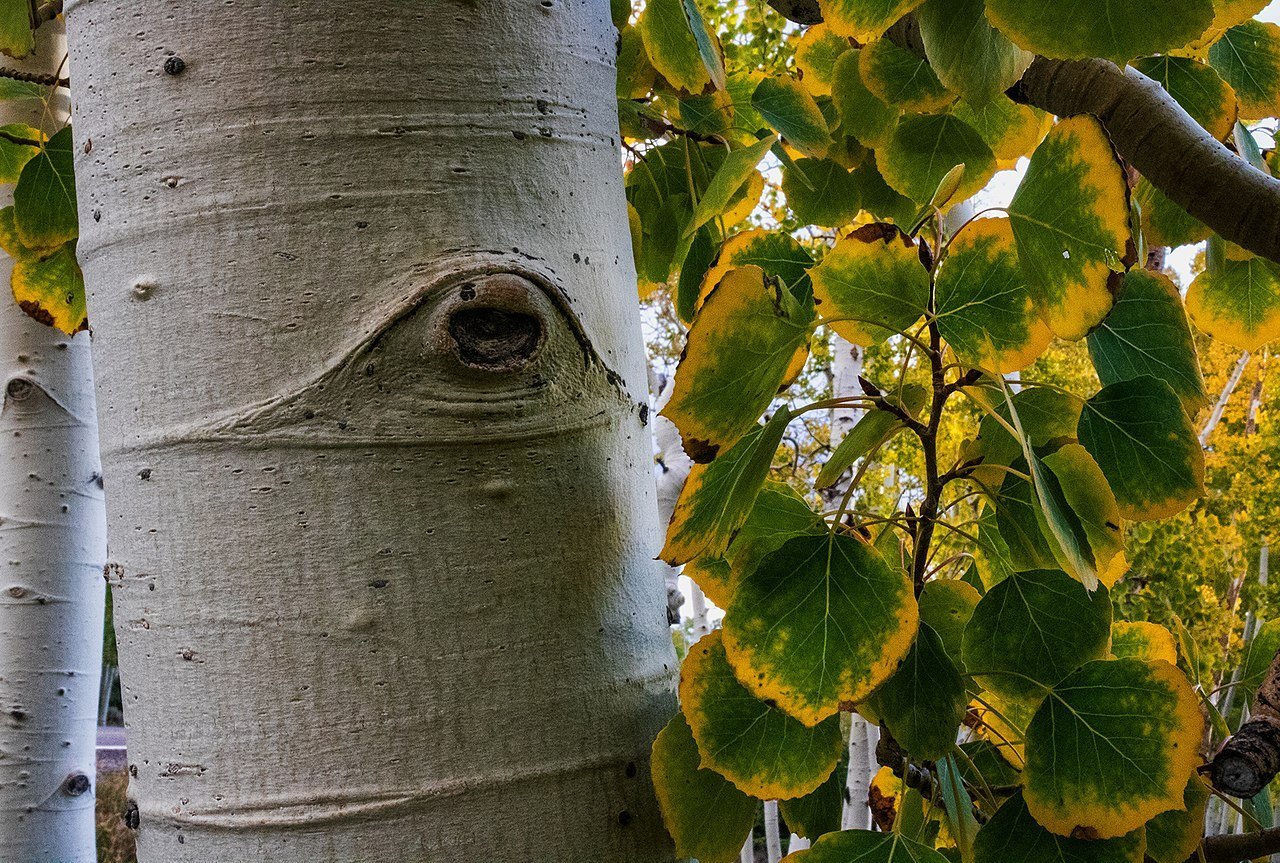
701	451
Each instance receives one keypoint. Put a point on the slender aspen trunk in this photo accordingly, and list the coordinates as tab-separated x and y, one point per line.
53	542
1215	416
381	509
772	836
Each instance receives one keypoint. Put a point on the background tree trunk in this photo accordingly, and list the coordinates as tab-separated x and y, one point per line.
381	509
53	544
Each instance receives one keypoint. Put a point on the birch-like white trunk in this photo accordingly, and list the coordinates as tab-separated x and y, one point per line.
374	409
53	545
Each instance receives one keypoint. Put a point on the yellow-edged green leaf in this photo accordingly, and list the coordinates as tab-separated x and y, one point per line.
1143	640
753	744
679	45
1164	223
1003	722
1173	836
1092	512
16	37
1113	29
864	846
9	240
820	811
734	172
1011	130
946	606
816	55
834	200
705	814
924	701
1197	88
714	576
635	72
1013	836
1046	415
873	429
984	309
970	56
900	78
1237	303
19	143
44	201
1032	630
775	252
779	515
51	289
1111	746
924	148
1140	436
1147	333
1070	217
871	284
862	114
1227	14
864	20
1248	58
736	357
786	106
819	623
717	497
707	113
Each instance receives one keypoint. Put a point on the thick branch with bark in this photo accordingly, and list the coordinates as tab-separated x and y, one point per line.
1154	134
1230	848
1251	758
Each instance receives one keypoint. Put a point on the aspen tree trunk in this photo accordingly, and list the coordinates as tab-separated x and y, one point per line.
53	544
381	508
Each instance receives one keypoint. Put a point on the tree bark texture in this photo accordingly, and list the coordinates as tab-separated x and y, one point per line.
1250	759
380	503
53	545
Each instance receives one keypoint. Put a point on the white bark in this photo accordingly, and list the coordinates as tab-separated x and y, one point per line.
1215	416
53	543
748	852
772	838
863	737
382	516
672	466
798	843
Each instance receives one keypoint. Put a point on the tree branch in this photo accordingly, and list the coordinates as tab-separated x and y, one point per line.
1154	134
1250	759
1230	848
41	78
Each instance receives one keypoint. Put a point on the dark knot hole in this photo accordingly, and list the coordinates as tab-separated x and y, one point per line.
495	339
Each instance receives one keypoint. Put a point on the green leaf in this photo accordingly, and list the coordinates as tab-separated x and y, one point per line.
16	36
1237	303
1248	58
864	20
1111	746
1047	415
970	56
786	105
833	201
900	78
736	169
1147	334
44	201
51	289
1140	436
1197	88
879	200
779	515
1095	522
1258	653
1033	629
718	497
924	148
1020	525
1113	29
756	746
871	284
775	252
1011	130
635	72
1164	223
864	846
862	114
820	811
984	766
946	606
1013	836
1143	640
736	357
816	55
924	701
819	623
679	45
14	153
984	309
1173	836
706	815
958	807
693	272
873	429
1070	217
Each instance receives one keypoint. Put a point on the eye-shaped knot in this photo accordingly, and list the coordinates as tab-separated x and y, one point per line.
495	322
